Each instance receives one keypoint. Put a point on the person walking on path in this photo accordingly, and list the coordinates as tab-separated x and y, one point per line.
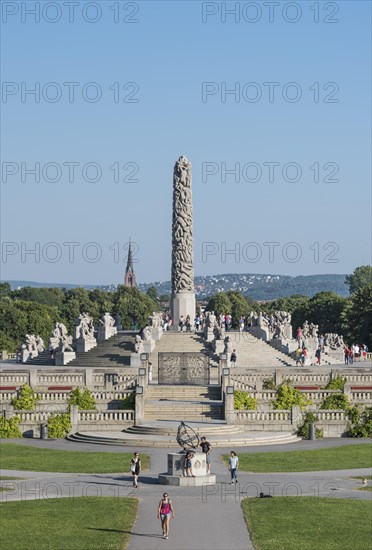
135	468
318	355
206	448
233	467
165	511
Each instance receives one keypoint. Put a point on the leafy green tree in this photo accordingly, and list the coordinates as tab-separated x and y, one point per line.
83	399
243	402
48	296
325	309
239	306
219	303
132	304
5	290
361	277
287	396
357	316
360	422
9	427
335	401
164	298
152	293
7	343
26	399
59	425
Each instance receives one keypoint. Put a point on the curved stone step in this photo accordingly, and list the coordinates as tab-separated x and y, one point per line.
245	439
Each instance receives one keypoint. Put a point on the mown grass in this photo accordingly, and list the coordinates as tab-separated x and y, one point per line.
22	457
84	523
305	523
333	458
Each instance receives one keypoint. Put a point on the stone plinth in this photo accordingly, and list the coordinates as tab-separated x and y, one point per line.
176	474
157	333
218	346
183	303
148	346
83	346
104	333
135	360
62	358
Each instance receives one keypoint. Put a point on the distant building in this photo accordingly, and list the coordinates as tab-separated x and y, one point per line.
130	276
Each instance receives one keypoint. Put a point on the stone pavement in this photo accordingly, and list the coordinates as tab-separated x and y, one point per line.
205	517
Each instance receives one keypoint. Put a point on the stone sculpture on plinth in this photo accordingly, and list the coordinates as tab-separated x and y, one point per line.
107	328
60	345
29	349
84	339
187	438
183	291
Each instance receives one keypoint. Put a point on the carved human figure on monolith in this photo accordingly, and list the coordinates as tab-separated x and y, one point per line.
183	291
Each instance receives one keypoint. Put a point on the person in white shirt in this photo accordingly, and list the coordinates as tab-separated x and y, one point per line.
233	467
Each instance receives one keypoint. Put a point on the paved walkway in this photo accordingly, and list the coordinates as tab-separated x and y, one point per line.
208	518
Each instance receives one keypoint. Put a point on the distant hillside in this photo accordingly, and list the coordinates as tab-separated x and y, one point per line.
258	287
261	287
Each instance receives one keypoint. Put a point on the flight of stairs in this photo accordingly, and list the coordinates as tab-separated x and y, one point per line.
112	353
254	353
184	403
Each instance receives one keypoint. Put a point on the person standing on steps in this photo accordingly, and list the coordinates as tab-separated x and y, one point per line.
233	467
233	359
165	511
135	468
206	448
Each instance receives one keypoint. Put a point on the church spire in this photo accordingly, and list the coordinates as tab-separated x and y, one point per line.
130	276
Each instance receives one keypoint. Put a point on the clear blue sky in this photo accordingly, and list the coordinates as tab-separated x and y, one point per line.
168	54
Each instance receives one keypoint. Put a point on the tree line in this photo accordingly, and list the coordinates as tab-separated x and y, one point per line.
35	310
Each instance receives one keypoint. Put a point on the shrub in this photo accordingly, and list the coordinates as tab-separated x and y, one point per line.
360	422
287	396
337	383
335	401
242	401
84	400
269	384
303	430
26	399
127	403
9	427
59	425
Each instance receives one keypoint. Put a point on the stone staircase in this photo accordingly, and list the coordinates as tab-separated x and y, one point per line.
163	434
184	403
112	353
255	353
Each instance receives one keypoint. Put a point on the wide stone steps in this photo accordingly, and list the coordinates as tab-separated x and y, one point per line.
182	392
223	439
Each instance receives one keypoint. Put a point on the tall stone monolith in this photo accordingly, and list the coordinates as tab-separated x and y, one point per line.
183	291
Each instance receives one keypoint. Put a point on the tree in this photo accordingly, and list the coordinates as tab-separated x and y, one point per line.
219	303
361	277
325	309
357	316
239	306
152	293
5	290
132	304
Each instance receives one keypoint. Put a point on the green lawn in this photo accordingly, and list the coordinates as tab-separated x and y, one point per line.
305	523
22	457
85	523
334	458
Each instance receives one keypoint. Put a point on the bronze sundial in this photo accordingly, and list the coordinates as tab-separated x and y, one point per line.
187	437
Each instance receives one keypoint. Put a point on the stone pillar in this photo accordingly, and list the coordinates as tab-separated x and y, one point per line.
139	409
183	291
33	378
74	418
89	379
297	416
229	408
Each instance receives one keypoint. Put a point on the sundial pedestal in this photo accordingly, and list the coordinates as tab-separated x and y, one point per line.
176	474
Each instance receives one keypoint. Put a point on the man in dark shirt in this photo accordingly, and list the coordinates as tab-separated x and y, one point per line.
206	448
